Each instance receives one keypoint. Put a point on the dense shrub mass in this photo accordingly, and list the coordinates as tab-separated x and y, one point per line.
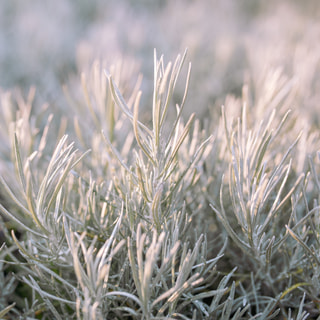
117	201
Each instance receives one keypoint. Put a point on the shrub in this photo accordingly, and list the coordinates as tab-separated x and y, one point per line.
114	217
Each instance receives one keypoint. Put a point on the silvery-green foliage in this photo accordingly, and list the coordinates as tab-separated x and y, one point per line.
255	189
110	217
117	241
265	195
7	284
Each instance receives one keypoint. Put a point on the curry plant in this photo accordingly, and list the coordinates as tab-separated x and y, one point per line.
108	211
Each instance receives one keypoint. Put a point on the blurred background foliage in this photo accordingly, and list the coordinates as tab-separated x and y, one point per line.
44	43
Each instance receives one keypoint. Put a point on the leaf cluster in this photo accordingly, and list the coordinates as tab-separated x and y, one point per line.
108	216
